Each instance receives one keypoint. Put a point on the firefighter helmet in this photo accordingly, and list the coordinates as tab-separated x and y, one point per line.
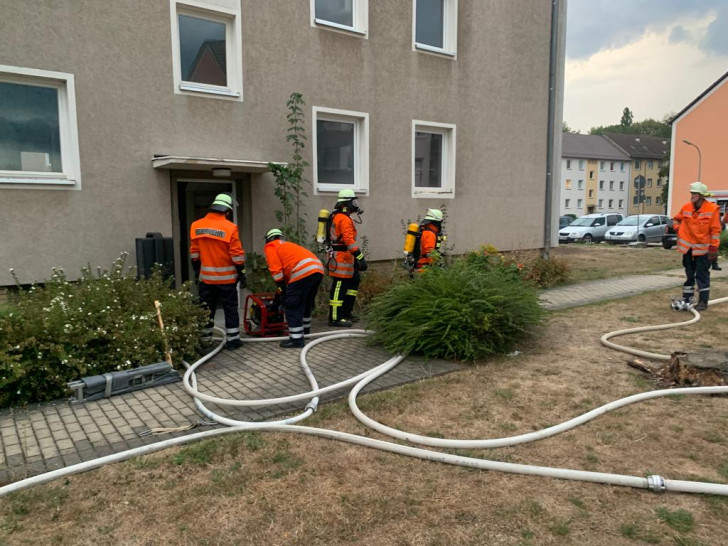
273	234
435	215
699	187
222	203
346	195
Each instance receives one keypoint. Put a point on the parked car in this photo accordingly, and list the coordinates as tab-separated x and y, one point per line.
669	237
590	228
645	228
565	221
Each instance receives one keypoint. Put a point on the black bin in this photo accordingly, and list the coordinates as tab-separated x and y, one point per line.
154	249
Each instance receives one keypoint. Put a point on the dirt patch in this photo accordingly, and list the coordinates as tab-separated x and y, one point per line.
290	489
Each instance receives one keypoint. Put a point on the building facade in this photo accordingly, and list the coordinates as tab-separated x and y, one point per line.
128	117
594	176
648	156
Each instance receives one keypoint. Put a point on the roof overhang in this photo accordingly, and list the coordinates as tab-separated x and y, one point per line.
187	163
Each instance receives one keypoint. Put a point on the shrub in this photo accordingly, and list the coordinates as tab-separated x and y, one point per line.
473	309
724	242
547	273
105	322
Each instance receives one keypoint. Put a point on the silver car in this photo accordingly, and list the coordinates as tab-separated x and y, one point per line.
645	228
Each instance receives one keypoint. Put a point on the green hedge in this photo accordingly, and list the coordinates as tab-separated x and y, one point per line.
105	322
479	306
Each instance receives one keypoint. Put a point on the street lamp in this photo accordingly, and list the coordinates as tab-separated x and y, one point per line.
700	156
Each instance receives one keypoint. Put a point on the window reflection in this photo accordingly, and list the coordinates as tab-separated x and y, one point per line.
335	11
29	128
203	55
335	152
428	160
430	23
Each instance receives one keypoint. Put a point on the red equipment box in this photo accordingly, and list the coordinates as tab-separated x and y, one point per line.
264	315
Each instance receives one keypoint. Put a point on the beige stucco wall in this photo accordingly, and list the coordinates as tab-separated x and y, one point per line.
495	92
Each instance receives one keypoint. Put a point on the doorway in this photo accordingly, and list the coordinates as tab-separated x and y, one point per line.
194	197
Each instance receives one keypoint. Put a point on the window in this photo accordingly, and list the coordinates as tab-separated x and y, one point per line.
659	182
433	153
611	165
567	203
568	164
621	166
635	200
648	200
636	163
649	182
621	203
591	193
435	26
658	200
580	185
601	165
601	203
611	185
207	48
650	164
346	15
591	175
621	185
567	184
611	203
579	203
38	133
601	185
340	150
581	164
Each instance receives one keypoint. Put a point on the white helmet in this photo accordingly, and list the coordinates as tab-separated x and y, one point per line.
434	214
699	187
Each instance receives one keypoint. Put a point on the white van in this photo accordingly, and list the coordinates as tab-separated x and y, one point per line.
590	228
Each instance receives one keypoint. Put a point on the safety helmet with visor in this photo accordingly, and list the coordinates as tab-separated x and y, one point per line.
699	188
272	234
347	198
223	203
433	215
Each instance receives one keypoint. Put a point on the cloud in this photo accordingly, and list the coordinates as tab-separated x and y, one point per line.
595	25
654	75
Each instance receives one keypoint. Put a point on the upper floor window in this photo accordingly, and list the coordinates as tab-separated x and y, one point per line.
568	163
207	48
611	165
650	164
611	185
601	203
636	163
621	166
580	185
591	175
591	193
581	164
601	165
38	133
579	203
611	203
433	153
621	185
435	26
346	15
648	200
601	185
649	182
567	184
567	203
340	150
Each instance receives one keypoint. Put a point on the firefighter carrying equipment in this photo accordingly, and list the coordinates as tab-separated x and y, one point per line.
223	202
434	215
699	187
289	262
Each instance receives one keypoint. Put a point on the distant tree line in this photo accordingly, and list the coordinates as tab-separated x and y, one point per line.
627	125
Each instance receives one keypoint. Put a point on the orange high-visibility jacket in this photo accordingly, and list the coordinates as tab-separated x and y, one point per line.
428	243
698	230
343	239
290	262
215	242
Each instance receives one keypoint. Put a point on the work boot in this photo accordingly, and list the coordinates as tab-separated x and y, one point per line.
701	306
292	344
341	323
716	267
233	344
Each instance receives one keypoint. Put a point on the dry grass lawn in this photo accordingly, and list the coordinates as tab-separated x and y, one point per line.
263	488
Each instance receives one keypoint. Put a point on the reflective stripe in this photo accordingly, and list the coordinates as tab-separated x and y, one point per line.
352	246
232	330
351	293
688	290
218	277
278	277
306	321
298	274
195	256
219	269
296	336
295	329
704	289
238	259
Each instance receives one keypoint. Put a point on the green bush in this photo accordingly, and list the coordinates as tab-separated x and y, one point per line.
475	308
105	322
724	242
547	273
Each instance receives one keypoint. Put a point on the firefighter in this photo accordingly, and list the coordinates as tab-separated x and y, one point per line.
698	237
347	260
218	260
298	273
430	238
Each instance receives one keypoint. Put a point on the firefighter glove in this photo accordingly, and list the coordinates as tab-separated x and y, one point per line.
713	254
362	262
196	266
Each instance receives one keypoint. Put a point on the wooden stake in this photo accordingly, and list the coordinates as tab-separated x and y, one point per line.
167	354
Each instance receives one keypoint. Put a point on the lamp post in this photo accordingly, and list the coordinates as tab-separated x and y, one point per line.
700	156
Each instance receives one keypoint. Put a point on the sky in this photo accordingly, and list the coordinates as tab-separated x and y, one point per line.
653	56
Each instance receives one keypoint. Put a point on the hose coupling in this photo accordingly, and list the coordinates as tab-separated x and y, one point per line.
679	304
313	404
656	483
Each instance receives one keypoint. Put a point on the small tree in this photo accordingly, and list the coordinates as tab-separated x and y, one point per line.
290	180
627	118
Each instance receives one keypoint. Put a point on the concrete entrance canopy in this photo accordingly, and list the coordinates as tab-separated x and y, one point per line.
186	163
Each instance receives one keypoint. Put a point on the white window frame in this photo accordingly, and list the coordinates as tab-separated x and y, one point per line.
361	148
449	31
219	11
579	203
449	132
567	203
360	27
64	83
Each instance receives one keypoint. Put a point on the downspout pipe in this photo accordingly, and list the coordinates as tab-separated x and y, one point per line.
556	78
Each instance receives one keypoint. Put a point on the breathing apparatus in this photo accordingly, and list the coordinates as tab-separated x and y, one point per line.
413	236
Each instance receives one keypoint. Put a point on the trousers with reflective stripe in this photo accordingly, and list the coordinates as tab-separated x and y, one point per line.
299	303
227	296
342	297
